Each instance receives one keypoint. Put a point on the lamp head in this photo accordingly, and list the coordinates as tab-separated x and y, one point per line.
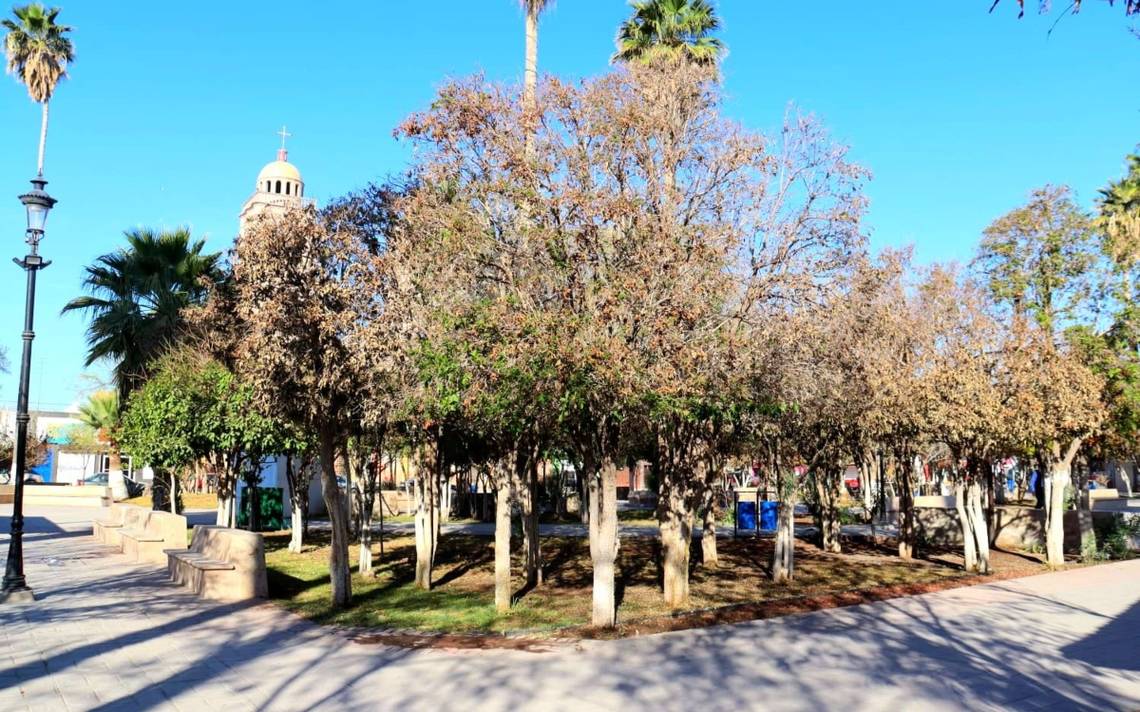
38	204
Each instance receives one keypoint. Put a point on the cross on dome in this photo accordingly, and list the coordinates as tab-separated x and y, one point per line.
282	153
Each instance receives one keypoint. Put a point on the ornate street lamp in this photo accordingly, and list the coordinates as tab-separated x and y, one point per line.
38	203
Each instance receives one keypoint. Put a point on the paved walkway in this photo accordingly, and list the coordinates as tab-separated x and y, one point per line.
108	635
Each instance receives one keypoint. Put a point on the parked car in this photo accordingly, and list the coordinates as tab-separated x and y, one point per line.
103	479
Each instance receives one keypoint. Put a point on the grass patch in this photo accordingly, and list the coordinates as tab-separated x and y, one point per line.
462	600
190	500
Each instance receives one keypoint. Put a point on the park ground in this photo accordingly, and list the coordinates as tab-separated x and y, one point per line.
462	600
107	635
738	589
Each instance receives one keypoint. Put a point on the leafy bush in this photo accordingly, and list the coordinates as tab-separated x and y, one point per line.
1113	538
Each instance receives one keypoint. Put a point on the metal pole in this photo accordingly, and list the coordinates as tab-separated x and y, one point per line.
15	585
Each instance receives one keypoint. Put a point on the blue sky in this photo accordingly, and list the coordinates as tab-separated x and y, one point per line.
171	110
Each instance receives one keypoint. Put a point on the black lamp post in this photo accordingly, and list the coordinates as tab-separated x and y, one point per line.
38	203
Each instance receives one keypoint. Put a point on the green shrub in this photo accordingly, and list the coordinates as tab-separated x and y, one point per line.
1113	538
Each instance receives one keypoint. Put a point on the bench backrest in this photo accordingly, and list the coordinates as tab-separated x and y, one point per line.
118	511
171	527
134	517
225	544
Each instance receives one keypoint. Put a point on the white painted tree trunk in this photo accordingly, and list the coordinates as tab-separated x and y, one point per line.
502	541
978	525
604	543
867	483
1060	475
115	477
368	479
709	554
1055	515
969	548
297	533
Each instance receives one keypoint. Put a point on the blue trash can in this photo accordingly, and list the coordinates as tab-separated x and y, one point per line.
746	515
768	515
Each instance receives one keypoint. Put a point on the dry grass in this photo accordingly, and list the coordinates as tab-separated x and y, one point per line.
738	589
190	500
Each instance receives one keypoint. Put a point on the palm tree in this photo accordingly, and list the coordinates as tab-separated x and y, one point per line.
1119	219
101	413
674	29
137	296
38	52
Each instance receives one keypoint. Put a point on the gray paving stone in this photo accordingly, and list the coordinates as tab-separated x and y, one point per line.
108	634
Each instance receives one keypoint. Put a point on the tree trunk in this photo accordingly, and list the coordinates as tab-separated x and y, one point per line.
674	522
1060	474
783	555
602	486
526	491
369	482
709	555
339	572
978	524
298	499
530	526
427	516
444	494
827	510
965	521
1084	514
866	483
43	139
907	530
115	478
502	541
583	497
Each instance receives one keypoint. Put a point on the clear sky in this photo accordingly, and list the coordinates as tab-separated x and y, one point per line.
171	109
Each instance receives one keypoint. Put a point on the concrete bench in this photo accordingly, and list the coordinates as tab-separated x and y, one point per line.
221	564
152	535
122	516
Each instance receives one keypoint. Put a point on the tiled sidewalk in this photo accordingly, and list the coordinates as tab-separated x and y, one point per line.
108	635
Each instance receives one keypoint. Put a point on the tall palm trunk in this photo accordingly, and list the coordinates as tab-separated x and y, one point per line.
43	139
530	75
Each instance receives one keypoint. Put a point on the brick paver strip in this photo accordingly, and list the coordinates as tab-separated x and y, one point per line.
111	635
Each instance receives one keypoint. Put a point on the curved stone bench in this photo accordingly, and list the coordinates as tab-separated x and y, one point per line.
221	564
152	535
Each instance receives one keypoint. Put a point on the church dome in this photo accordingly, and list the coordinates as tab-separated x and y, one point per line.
279	169
281	178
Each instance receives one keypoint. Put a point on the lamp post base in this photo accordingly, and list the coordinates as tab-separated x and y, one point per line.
19	595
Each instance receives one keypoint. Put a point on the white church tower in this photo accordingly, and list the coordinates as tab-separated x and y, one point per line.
279	188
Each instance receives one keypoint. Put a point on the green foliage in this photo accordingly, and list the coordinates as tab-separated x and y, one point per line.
1114	536
670	29
137	297
193	408
1039	258
101	413
37	49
